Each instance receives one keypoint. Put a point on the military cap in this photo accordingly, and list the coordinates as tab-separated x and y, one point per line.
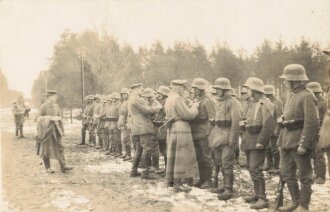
124	91
136	85
222	83
178	82
269	89
164	90
294	72
51	92
315	87
115	95
255	83
199	83
97	96
148	92
326	51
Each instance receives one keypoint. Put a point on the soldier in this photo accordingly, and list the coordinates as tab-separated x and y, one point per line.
226	132
19	119
101	123
87	122
115	147
149	97
96	120
122	125
50	132
324	141
259	125
108	100
301	124
200	128
318	154
142	130
158	121
181	161
272	151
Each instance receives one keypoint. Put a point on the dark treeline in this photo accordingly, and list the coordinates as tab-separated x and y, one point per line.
109	66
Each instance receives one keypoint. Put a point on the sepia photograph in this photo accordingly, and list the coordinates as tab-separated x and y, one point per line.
164	105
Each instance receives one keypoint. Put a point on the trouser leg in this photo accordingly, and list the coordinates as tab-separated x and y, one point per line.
257	158
162	150
204	159
46	162
147	146
83	134
155	155
275	152
138	153
319	163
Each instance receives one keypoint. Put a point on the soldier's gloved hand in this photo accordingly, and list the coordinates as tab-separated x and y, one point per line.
260	146
301	150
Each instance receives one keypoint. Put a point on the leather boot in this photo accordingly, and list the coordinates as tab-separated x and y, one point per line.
47	165
64	167
294	192
276	160
83	137
228	193
21	132
262	200
99	143
252	198
146	175
92	139
305	195
16	133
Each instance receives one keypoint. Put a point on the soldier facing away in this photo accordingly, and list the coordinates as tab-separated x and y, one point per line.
18	112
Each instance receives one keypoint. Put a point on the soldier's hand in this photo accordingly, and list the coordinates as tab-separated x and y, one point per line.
301	150
260	146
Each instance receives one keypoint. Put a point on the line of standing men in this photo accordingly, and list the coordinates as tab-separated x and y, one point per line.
203	134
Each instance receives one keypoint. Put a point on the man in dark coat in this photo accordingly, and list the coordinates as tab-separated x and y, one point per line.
300	129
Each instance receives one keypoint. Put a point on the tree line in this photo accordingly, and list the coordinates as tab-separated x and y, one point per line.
109	66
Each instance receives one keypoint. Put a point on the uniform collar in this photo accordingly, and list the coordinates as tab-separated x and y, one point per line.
298	89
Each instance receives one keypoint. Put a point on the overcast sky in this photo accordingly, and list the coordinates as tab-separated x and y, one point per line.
29	29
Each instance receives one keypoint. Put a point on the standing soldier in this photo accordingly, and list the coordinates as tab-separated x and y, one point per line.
200	128
101	123
272	151
296	141
108	100
96	120
181	161
318	154
50	132
142	130
259	126
324	141
122	125
115	148
159	119
19	119
226	134
87	122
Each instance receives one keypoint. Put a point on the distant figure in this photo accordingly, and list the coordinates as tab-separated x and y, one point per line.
19	119
50	132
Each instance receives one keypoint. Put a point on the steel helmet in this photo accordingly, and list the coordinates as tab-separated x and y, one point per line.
222	83
148	92
315	87
294	72
115	95
199	83
124	91
164	90
97	96
269	89
255	83
109	98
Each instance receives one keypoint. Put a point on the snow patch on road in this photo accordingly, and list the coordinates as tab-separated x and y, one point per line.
67	200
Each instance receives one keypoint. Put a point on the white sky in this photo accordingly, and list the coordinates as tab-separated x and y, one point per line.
29	29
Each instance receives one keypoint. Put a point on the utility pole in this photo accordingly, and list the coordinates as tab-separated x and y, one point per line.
82	77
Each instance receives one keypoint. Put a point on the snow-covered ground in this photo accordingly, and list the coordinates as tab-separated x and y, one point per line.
102	183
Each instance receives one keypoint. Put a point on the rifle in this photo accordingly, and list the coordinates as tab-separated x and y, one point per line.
279	194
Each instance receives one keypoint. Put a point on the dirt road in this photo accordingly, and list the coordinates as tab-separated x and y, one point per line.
101	183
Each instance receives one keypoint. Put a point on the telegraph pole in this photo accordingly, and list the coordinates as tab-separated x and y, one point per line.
82	77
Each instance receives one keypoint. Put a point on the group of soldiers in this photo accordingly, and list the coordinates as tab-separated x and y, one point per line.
198	134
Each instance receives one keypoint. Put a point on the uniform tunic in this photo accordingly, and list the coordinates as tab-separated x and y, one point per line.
181	158
49	139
